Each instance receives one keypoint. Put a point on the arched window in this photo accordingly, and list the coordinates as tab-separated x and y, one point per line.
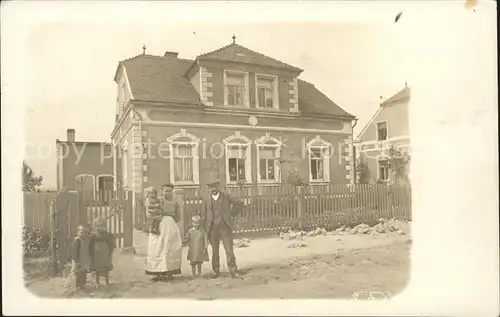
268	155
184	158
319	154
85	183
238	162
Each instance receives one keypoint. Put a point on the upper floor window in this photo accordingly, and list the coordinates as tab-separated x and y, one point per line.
266	90
236	89
382	131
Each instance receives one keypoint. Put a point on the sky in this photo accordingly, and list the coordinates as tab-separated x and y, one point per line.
71	68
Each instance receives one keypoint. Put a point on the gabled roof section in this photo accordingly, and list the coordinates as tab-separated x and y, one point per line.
160	79
398	97
240	54
313	101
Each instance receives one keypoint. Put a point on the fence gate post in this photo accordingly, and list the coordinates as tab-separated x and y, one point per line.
128	222
300	206
179	197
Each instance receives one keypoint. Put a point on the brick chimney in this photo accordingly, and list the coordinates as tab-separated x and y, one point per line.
70	135
171	54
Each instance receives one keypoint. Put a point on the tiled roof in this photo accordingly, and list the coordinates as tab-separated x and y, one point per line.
313	101
160	79
400	96
237	53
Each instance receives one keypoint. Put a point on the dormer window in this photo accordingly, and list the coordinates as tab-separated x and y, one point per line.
236	89
266	90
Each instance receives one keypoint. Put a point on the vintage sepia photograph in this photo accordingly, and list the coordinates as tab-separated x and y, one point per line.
207	162
215	159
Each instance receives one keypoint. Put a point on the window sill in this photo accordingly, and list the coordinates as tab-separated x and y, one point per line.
236	185
184	185
317	183
269	184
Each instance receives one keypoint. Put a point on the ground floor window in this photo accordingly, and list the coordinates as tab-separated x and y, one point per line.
383	170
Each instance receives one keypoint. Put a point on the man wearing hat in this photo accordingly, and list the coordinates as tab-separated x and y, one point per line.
217	213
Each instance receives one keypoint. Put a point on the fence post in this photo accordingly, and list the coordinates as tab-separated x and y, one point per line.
179	197
128	219
53	242
300	205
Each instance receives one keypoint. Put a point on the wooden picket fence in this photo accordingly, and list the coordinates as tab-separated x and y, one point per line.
273	208
36	210
71	209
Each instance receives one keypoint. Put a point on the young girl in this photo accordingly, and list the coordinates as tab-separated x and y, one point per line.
101	246
78	267
197	241
153	207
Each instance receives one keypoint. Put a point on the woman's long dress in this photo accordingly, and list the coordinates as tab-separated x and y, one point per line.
165	250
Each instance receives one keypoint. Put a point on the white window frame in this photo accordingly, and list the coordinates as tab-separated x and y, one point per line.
379	160
319	143
98	178
93	182
262	142
246	99
275	90
386	130
195	143
242	141
124	163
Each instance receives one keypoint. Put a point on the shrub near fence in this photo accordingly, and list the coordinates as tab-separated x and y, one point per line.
281	207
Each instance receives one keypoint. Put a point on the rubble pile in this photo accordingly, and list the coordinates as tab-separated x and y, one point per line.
242	243
383	226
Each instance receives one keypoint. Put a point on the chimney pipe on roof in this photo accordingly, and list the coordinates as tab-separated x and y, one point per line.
171	54
70	135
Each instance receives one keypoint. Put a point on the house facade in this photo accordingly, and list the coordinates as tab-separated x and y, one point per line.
388	127
232	114
86	166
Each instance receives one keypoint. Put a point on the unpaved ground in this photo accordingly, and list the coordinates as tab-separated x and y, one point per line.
330	266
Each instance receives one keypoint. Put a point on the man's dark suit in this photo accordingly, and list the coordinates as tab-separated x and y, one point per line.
218	222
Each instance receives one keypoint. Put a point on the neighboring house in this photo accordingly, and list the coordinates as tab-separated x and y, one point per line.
388	126
233	114
86	166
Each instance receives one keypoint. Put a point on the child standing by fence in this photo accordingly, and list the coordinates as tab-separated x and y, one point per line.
197	239
78	267
101	246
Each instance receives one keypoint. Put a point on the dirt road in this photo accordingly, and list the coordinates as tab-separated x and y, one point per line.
329	267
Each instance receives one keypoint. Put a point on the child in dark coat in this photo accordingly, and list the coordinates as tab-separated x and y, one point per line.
197	241
101	246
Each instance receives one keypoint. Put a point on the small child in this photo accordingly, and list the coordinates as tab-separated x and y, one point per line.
78	267
101	246
197	241
153	207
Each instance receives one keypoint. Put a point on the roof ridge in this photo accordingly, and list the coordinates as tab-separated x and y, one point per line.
159	57
252	51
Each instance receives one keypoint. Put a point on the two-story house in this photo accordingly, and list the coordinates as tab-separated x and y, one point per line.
233	114
85	166
388	127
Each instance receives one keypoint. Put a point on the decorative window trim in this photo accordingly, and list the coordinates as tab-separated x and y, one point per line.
386	130
230	141
319	143
262	142
93	182
275	90
195	143
246	94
